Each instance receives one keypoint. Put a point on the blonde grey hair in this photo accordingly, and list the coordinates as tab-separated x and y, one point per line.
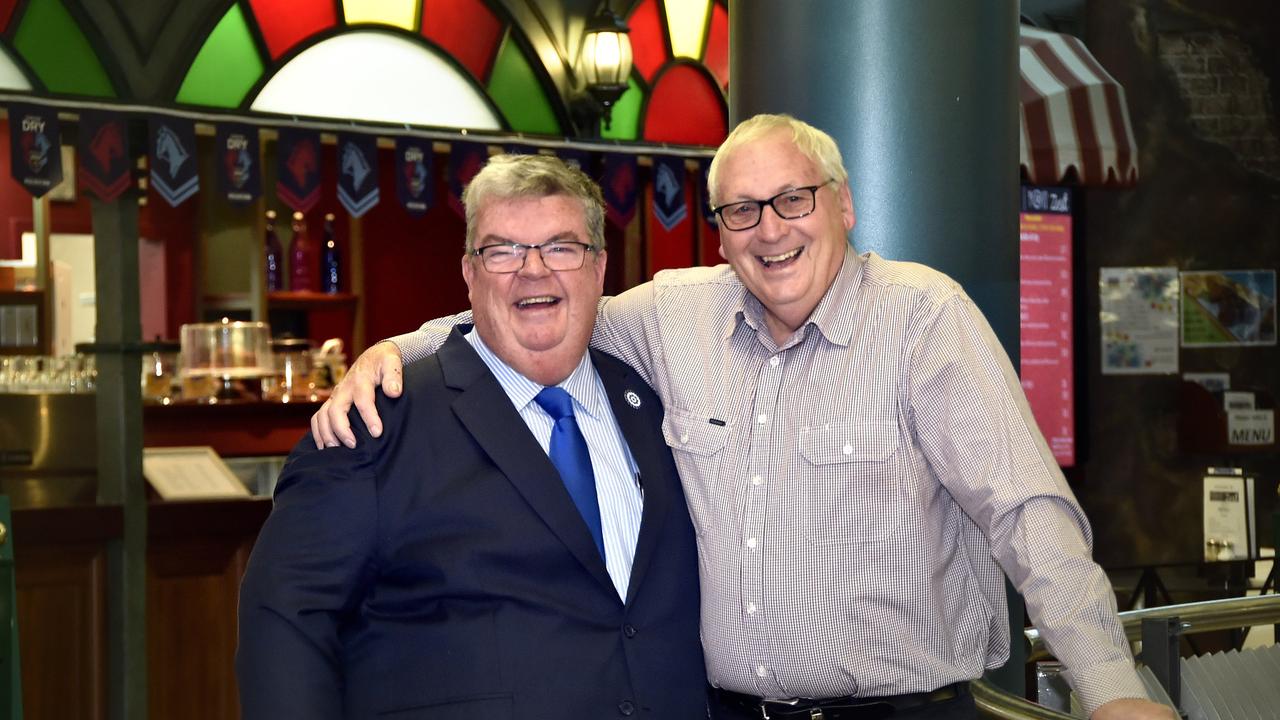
815	144
533	176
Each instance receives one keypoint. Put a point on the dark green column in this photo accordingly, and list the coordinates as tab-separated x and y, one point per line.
120	481
922	97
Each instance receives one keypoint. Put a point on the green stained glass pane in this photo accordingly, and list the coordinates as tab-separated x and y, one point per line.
518	94
226	67
625	120
53	45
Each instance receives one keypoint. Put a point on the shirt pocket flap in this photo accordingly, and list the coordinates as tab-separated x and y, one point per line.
693	432
848	441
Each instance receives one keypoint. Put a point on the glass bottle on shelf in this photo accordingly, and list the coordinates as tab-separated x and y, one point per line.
274	256
329	262
304	265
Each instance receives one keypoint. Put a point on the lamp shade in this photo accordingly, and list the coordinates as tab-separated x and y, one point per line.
606	52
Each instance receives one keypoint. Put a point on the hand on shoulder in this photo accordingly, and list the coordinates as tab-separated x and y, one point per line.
379	365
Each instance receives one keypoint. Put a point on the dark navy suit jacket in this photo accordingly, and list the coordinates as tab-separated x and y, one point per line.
442	571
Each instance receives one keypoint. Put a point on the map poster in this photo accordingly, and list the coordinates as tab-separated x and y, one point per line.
1139	320
1228	307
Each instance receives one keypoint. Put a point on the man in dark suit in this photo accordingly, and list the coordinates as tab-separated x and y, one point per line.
495	553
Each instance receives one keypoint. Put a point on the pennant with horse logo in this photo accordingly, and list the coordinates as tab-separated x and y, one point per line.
298	171
35	148
669	204
465	160
358	172
239	169
173	160
414	186
104	154
621	187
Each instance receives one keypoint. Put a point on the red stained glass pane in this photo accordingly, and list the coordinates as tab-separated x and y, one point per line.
6	13
716	57
285	23
648	44
467	29
685	107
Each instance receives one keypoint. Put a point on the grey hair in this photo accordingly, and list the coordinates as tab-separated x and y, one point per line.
533	176
815	144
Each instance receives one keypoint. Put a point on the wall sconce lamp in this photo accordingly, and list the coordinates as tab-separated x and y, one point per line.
604	65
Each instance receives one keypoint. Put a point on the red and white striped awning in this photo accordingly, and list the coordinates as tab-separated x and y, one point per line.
1074	116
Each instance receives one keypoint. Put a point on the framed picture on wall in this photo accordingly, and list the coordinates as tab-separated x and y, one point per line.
1228	308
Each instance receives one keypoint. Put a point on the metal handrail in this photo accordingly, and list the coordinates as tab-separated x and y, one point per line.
1207	616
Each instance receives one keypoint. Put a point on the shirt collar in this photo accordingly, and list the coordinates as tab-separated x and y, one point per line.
834	314
581	383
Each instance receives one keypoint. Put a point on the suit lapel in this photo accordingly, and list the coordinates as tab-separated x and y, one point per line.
485	410
647	448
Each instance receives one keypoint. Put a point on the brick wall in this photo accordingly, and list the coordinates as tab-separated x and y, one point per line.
1227	95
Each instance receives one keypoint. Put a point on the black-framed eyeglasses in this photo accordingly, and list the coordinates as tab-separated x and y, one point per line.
557	255
790	204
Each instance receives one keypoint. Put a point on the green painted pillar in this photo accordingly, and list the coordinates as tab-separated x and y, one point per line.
120	481
921	96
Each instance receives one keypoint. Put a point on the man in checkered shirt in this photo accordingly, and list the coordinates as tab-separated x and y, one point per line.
858	456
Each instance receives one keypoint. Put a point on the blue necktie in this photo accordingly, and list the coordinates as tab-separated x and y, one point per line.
570	456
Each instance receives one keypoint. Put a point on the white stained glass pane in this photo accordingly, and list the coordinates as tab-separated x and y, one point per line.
380	77
11	76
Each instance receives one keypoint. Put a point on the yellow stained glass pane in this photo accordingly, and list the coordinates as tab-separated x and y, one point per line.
399	13
687	23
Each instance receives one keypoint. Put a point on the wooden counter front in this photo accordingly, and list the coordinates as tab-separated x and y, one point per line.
196	555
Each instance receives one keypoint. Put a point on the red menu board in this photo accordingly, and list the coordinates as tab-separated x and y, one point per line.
1046	347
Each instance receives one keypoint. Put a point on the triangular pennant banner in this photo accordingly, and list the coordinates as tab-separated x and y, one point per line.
35	148
357	172
574	157
414	186
104	154
465	160
239	167
173	161
669	204
704	172
298	171
620	185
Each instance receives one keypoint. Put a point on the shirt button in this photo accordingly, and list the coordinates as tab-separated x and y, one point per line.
756	480
684	438
773	361
626	707
762	418
848	449
751	543
751	608
629	630
761	671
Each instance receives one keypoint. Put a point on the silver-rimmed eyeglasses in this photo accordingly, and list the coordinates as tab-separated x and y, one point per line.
559	255
790	204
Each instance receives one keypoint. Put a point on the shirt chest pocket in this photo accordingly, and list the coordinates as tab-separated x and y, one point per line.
851	484
698	445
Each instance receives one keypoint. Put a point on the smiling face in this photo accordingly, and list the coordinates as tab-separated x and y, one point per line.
536	320
787	264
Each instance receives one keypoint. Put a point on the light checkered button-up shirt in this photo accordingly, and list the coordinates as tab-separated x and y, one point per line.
854	489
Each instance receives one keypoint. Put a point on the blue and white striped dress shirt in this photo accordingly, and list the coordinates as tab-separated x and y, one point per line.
617	490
